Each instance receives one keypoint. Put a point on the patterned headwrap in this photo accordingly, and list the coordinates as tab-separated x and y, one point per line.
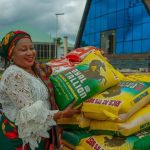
9	42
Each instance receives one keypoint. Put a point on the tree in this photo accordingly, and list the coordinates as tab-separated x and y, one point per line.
59	41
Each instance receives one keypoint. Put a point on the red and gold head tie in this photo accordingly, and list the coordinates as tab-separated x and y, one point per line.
9	42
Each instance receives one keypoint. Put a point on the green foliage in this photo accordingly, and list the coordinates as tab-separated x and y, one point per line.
59	41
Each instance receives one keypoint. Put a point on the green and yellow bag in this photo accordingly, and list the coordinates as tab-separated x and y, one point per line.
72	139
83	81
85	140
105	142
101	142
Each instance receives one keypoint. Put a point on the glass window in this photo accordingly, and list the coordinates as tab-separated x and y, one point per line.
112	21
92	26
97	38
87	40
97	45
146	17
128	33
97	24
137	32
119	48
146	30
120	4
83	42
92	11
130	15
128	47
97	9
137	15
130	20
92	40
88	28
111	6
145	45
104	22
120	34
120	21
103	5
126	18
136	46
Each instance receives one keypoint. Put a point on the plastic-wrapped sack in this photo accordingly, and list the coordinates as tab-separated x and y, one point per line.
79	54
136	123
84	80
119	102
76	122
59	65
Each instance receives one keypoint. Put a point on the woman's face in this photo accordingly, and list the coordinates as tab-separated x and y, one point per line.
24	53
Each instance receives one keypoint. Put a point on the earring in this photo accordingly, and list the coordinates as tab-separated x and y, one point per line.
11	61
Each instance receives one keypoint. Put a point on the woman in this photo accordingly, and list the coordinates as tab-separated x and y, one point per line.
26	94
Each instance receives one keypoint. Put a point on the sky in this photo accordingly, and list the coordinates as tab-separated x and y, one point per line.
38	17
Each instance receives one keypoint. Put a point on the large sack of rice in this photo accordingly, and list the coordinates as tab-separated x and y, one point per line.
77	55
72	138
138	122
139	77
119	102
143	143
59	65
86	141
84	80
105	142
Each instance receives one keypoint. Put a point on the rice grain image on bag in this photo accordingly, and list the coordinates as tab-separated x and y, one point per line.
93	75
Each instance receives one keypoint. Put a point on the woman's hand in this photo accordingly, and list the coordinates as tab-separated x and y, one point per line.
68	112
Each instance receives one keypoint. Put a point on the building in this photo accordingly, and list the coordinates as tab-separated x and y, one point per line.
43	42
121	28
45	50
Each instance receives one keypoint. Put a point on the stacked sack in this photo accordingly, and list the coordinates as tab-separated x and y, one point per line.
71	59
114	108
84	80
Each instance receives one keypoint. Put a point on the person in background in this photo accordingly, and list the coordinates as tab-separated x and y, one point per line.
28	108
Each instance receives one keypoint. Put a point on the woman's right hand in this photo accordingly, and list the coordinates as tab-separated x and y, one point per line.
68	112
